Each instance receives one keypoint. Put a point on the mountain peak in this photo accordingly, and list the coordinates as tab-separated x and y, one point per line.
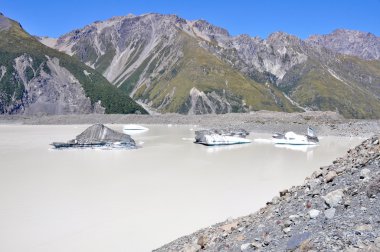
352	42
206	27
280	35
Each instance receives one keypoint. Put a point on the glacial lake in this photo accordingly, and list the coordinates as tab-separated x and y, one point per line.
137	200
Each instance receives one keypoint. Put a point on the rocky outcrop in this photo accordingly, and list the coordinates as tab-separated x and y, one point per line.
51	90
364	45
99	135
326	213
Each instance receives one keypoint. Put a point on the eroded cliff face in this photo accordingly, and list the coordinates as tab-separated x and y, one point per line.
46	89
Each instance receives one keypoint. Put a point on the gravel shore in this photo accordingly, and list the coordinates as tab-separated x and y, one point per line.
325	123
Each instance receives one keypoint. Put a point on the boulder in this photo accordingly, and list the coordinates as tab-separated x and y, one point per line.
329	213
373	188
313	213
334	198
330	176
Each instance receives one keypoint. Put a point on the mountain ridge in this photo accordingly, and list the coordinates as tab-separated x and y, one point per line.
144	54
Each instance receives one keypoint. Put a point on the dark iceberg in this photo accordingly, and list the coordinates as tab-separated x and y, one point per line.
200	135
99	135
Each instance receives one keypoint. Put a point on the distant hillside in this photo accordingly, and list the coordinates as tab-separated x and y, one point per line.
35	79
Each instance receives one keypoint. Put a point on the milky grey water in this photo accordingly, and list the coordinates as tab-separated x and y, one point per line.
137	200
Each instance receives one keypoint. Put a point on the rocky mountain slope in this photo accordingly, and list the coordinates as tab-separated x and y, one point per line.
336	209
158	59
193	67
35	79
364	45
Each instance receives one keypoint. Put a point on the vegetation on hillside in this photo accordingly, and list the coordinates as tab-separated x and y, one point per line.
16	42
200	69
318	89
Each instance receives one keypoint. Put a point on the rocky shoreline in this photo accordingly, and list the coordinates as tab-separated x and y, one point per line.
325	123
336	209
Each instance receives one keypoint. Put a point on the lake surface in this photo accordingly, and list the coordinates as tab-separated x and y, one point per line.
137	200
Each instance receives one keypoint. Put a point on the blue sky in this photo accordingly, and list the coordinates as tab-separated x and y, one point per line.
253	17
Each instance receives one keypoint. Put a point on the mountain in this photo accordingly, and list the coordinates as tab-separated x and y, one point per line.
194	67
158	60
364	45
35	79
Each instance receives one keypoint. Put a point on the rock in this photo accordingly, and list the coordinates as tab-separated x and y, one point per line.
256	244
287	230
191	248
240	237
245	246
284	192
377	242
288	223
229	227
334	198
340	170
364	173
329	213
376	142
202	241
293	217
313	213
363	228
308	204
330	176
296	240
373	188
317	174
314	183
275	200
